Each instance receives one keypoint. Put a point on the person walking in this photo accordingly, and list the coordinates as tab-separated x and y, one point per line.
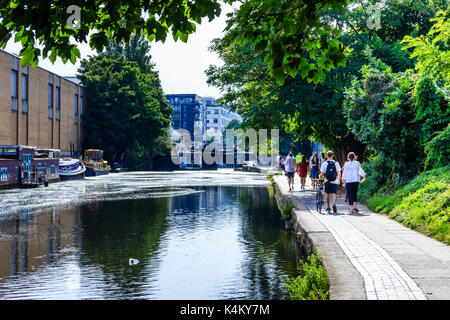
282	162
303	168
291	167
314	164
322	159
351	174
331	171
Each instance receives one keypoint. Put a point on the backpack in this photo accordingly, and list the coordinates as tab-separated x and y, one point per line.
331	173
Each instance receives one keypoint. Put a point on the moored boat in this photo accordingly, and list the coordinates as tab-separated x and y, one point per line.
94	163
26	166
71	169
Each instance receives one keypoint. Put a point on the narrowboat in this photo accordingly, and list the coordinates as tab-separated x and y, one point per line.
71	169
94	163
24	166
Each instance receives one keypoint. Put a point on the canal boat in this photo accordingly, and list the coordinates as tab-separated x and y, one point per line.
25	166
94	163
71	169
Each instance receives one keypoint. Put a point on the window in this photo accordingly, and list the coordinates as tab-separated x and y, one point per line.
53	170
25	90
16	173
14	93
216	120
57	102
81	104
50	101
4	174
76	108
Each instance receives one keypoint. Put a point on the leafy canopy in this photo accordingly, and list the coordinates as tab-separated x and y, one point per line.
45	23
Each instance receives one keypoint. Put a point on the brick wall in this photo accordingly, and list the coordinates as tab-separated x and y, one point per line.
35	128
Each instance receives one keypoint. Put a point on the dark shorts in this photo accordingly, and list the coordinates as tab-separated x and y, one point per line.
331	187
351	189
290	174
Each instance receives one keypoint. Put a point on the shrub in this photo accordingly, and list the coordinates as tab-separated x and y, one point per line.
313	285
438	150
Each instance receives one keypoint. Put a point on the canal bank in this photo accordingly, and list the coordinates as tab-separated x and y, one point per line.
367	255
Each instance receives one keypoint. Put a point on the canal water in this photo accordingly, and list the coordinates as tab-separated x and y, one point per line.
191	235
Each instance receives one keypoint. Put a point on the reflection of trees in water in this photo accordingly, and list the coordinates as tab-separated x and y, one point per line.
114	231
270	250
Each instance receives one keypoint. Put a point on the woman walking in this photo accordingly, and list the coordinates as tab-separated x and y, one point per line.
314	171
303	167
351	180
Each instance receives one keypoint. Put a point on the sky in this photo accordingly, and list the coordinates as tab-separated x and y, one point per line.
181	66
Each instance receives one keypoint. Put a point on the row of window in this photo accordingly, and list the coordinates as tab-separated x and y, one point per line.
180	100
4	172
15	89
24	87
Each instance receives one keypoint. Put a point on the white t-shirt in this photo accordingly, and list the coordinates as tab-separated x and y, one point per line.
290	164
352	171
323	169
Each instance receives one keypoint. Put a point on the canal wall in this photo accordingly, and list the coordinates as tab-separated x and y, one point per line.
345	281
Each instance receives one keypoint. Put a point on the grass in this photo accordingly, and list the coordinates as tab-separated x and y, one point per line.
422	204
312	285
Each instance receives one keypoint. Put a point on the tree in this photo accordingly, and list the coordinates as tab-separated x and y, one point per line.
291	34
131	113
433	50
51	23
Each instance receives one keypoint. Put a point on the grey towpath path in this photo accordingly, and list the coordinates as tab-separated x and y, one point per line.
369	256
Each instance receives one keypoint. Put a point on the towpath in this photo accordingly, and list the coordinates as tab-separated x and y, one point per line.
369	256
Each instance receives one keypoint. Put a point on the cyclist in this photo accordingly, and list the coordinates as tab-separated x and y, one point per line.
331	171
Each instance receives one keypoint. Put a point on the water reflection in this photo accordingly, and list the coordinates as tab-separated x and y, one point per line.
208	242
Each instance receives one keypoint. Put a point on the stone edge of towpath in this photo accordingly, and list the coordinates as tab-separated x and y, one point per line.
346	283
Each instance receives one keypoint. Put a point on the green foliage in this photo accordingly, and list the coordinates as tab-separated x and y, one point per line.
432	108
291	35
379	112
286	210
44	24
423	204
432	51
131	113
438	150
313	285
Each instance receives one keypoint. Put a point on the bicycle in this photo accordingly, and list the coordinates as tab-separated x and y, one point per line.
319	196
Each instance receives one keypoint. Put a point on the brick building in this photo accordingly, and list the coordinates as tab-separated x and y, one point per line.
39	108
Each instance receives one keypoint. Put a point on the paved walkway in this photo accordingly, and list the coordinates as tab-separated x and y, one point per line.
392	262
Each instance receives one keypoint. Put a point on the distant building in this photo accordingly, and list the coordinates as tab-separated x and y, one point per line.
188	112
217	118
39	108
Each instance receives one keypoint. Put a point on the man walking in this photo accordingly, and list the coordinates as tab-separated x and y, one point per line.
291	168
331	170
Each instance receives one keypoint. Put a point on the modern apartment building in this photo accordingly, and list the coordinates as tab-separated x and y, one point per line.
188	113
204	113
217	118
39	108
